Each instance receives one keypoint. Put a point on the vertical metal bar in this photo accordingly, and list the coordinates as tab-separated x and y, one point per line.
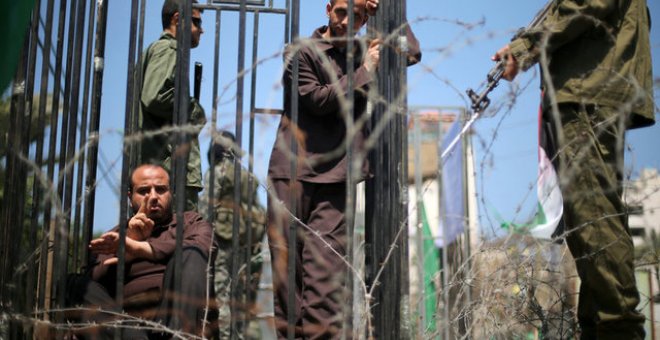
444	253
41	122
135	157
74	103
214	116
251	184
384	191
468	242
46	270
18	140
293	182
240	84
14	141
349	212
12	187
20	179
92	160
78	249
419	201
288	26
214	127
214	124
123	206
352	168
180	118
66	110
60	266
401	101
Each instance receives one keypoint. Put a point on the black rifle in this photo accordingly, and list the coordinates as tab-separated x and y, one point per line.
198	79
480	101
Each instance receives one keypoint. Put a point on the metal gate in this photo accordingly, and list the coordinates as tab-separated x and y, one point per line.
52	165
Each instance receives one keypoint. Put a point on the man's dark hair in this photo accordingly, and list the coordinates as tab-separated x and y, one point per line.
169	8
147	165
220	151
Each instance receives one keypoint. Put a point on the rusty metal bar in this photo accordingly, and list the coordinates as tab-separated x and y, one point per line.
214	116
235	288
251	185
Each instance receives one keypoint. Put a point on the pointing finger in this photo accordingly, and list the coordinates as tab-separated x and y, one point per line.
144	204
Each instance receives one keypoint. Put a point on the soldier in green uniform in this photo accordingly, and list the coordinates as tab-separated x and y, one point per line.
597	83
223	207
157	102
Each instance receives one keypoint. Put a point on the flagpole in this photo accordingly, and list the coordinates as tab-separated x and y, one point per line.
443	224
466	208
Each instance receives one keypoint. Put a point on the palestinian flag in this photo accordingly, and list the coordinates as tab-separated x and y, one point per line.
547	221
551	204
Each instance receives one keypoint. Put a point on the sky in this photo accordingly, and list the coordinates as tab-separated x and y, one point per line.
457	41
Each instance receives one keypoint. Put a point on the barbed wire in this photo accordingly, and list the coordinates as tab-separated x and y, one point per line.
508	274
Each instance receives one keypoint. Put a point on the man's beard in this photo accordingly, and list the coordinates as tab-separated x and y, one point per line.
338	39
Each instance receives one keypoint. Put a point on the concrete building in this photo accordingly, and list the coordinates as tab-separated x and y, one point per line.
642	195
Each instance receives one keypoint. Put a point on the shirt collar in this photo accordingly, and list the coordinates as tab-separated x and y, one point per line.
323	44
167	35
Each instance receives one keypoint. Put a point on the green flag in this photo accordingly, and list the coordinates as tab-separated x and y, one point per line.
431	266
14	20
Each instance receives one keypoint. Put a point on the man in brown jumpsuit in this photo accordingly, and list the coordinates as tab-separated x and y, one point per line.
318	190
149	256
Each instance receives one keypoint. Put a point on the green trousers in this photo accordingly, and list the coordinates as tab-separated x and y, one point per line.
591	173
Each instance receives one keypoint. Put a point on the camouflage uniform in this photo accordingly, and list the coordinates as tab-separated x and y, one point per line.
600	83
223	193
157	105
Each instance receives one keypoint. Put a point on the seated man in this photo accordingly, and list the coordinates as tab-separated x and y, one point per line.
149	273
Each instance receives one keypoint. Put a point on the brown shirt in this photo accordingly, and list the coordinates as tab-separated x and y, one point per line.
143	275
321	129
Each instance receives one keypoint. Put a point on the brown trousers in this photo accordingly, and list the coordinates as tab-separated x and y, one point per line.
319	273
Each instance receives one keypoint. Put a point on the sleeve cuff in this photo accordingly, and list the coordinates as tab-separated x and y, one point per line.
523	50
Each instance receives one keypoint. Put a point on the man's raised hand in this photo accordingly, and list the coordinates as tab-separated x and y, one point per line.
140	225
373	55
372	7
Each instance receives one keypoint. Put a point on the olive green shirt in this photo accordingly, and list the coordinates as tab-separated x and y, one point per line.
223	198
157	106
598	53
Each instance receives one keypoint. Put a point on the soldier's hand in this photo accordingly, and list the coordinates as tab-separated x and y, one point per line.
372	7
140	225
372	57
511	67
